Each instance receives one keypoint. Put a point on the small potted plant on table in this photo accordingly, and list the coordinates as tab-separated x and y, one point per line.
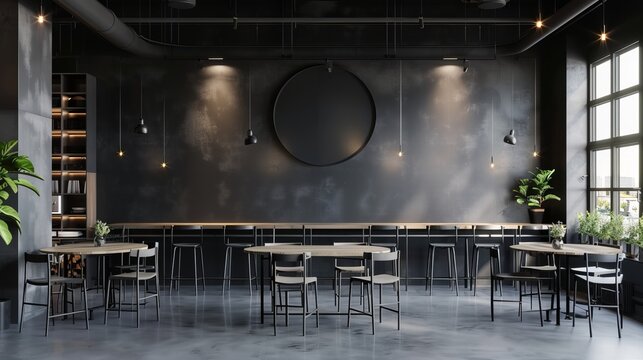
534	191
101	230
557	232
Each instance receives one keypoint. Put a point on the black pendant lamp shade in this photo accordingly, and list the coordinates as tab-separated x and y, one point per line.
141	128
251	138
510	138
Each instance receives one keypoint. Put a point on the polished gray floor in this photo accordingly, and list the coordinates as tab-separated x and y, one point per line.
212	326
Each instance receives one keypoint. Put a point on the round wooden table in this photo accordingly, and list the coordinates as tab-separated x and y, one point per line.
343	251
566	251
89	249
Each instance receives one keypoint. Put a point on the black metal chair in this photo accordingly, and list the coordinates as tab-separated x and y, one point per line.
486	237
372	279
299	282
140	273
346	266
604	282
521	278
46	261
448	237
231	234
183	237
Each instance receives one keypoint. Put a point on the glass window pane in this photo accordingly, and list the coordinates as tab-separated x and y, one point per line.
628	67
603	79
602	121
628	115
629	205
602	169
629	166
601	201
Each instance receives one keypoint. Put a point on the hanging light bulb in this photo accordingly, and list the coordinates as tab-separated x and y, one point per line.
120	152
539	21
539	24
535	153
163	164
603	35
510	139
492	165
41	16
400	153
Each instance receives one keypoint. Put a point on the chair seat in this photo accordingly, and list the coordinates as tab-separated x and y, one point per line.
54	280
240	245
442	245
350	269
378	279
593	270
289	268
548	268
601	280
391	245
294	280
486	245
519	276
132	276
186	245
133	267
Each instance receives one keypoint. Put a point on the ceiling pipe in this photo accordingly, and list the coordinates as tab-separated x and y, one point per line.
102	20
327	20
107	24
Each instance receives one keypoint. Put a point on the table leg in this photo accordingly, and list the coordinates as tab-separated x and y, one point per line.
406	259
567	316
557	286
261	309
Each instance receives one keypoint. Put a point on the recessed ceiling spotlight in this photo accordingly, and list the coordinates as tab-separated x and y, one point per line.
215	58
450	58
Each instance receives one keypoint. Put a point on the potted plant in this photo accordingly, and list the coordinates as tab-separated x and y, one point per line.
100	231
613	229
589	226
534	191
634	239
557	232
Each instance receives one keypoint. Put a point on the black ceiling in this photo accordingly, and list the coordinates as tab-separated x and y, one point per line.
259	26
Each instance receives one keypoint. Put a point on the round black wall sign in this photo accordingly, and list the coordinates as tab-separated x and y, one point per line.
323	118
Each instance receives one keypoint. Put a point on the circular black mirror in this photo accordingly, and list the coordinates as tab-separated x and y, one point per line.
324	115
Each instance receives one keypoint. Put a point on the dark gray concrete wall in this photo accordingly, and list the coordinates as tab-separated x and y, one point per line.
26	74
212	176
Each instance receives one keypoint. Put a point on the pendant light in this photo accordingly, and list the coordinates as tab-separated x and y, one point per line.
141	128
41	15
492	164
400	152
539	21
251	138
535	153
603	35
510	138
164	163
120	152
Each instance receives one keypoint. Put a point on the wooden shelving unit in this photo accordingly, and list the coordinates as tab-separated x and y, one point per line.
73	153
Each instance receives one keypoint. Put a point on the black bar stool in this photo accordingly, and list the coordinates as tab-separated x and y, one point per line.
244	232
187	237
486	237
444	233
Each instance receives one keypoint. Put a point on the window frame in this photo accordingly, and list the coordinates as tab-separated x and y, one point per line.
614	142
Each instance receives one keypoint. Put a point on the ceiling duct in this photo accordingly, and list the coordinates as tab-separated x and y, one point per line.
488	4
182	4
102	20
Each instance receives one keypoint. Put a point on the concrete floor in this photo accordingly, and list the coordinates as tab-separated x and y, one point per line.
211	326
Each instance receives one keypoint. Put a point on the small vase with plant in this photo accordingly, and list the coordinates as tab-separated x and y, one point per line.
101	230
557	232
534	191
589	226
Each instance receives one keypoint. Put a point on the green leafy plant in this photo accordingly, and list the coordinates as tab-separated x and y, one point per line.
12	164
534	191
557	230
634	233
589	223
613	229
101	229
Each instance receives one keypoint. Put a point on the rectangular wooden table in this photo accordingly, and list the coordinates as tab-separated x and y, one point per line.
344	251
566	251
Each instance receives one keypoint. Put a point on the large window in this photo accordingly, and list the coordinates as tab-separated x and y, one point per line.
614	147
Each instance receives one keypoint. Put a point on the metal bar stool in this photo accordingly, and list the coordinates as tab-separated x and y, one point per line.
486	237
441	232
182	232
244	232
